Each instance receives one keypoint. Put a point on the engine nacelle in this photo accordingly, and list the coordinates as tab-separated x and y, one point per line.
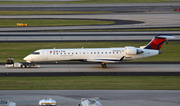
132	50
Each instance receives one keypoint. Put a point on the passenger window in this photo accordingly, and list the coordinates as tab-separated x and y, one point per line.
94	52
98	52
91	52
116	52
101	52
79	52
106	52
87	52
109	52
113	52
83	52
72	53
76	53
64	53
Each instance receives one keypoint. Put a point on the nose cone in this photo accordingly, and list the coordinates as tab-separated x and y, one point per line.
27	58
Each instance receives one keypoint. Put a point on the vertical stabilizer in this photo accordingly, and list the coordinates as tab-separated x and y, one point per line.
157	42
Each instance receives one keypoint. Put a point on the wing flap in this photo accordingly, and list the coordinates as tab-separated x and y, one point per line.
105	60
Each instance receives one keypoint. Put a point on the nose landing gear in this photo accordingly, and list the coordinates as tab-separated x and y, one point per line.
103	65
33	64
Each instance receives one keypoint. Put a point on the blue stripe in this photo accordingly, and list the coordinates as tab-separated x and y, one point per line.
159	45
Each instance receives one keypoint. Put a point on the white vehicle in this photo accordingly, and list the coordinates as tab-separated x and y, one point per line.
47	102
100	55
10	63
7	103
90	102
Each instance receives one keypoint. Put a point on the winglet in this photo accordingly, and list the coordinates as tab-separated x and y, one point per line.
121	59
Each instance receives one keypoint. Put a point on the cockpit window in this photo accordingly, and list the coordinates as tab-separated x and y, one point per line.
35	53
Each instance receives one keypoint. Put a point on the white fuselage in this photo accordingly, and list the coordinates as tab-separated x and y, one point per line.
88	54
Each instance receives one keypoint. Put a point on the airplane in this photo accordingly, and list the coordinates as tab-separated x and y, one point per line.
100	55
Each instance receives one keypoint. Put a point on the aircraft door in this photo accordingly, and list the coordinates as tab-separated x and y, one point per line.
45	56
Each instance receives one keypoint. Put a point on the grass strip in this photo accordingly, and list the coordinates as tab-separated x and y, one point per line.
51	22
50	12
91	83
84	1
19	50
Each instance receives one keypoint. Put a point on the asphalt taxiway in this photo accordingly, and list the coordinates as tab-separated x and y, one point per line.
98	6
150	21
123	33
82	36
107	97
92	69
78	38
84	7
96	68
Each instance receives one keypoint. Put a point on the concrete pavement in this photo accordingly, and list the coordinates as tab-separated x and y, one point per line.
107	97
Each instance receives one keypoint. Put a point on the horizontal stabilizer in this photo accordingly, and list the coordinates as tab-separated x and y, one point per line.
164	36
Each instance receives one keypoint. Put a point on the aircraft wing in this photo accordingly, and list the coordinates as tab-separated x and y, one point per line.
105	60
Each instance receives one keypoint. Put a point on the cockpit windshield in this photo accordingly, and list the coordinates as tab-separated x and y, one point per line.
35	53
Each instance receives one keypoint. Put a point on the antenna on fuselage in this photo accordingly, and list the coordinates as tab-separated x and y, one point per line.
54	47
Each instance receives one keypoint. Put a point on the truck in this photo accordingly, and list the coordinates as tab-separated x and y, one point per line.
47	102
90	102
10	63
7	103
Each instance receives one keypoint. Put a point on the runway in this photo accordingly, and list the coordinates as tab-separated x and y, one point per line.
107	97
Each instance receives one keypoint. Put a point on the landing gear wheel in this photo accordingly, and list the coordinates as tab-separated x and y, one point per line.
103	65
23	66
33	64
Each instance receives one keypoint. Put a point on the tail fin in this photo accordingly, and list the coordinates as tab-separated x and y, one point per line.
157	41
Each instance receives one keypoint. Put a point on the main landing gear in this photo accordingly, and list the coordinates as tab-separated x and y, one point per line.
103	65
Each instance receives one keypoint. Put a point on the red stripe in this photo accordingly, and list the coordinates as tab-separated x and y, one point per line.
156	42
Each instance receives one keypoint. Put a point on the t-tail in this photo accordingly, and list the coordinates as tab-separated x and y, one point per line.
157	42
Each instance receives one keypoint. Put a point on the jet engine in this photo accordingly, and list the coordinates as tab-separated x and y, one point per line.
132	50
